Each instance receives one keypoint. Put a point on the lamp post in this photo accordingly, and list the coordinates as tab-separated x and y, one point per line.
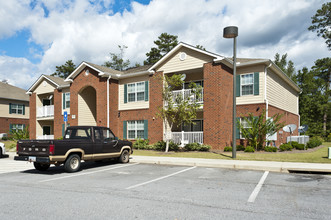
232	32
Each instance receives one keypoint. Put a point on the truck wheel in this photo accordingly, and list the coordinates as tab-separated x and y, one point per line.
124	158
72	163
41	166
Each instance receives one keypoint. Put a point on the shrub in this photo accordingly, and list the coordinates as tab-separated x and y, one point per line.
270	149
4	138
228	149
240	148
196	147
294	144
300	146
314	142
140	144
205	147
285	147
249	149
161	146
329	137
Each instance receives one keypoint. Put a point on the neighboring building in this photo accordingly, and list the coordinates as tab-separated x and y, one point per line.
14	108
128	101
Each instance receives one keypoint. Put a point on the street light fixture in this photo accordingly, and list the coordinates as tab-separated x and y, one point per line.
232	32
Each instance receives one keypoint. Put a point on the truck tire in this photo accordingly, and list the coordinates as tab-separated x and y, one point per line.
72	163
125	156
41	166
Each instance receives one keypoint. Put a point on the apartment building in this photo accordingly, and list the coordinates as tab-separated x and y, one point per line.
14	108
128	101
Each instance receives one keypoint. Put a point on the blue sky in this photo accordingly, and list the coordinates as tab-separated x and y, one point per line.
37	35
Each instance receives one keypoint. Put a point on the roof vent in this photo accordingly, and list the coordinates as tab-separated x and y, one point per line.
182	56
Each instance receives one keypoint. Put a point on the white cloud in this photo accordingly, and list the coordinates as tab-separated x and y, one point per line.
81	30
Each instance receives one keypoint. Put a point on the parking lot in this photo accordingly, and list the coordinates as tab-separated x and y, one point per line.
141	191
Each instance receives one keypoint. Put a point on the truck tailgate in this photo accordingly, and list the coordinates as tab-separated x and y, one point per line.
34	148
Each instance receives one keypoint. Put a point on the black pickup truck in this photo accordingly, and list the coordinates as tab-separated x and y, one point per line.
79	143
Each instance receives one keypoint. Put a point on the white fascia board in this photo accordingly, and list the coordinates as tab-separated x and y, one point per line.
128	75
38	81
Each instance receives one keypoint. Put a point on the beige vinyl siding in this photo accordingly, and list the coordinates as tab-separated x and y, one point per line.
4	109
193	60
66	109
44	87
280	94
87	108
252	99
131	105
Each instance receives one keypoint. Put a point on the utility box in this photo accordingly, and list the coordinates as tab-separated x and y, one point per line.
329	153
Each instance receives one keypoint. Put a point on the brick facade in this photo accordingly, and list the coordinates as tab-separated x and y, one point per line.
5	123
33	116
217	108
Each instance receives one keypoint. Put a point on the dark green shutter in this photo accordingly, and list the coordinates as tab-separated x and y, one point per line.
146	90
237	129
237	85
23	109
63	100
63	126
124	130
145	129
10	128
9	108
125	93
256	83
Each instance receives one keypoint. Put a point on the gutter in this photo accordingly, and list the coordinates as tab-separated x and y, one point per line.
265	89
108	101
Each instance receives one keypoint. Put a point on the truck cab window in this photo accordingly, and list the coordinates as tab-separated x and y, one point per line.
108	135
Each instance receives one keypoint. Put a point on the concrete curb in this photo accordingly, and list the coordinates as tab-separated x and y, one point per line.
235	164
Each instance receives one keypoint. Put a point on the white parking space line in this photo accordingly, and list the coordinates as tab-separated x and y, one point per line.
258	187
87	173
160	178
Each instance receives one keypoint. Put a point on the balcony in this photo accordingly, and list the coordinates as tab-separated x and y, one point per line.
186	94
45	111
45	137
184	137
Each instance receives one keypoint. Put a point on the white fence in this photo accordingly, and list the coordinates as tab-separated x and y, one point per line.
44	137
45	111
185	94
303	139
187	137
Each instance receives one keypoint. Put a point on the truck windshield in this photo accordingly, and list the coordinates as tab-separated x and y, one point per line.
78	133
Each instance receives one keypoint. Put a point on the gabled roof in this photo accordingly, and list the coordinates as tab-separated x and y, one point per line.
58	82
12	92
181	45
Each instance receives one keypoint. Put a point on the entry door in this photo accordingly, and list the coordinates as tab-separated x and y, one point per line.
46	102
110	145
46	130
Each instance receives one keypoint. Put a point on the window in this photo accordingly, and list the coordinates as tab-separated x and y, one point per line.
136	129
16	109
245	125
107	134
78	133
66	100
197	125
136	92
247	84
16	127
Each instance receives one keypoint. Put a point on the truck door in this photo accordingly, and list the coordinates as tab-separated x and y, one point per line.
109	143
98	142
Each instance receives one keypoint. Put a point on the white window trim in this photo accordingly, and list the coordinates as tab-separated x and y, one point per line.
135	91
65	100
241	85
16	127
18	106
135	129
241	137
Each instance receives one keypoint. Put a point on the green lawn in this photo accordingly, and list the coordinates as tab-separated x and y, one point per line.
10	145
318	156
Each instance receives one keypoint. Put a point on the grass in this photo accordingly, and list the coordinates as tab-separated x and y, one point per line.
317	156
9	144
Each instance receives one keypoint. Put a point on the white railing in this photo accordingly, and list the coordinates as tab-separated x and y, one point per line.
45	111
44	137
187	94
187	137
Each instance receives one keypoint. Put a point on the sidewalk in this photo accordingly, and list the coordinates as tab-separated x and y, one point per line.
235	164
229	164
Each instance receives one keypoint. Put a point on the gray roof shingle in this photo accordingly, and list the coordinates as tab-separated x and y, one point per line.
12	92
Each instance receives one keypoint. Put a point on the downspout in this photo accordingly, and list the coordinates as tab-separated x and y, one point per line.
108	101
265	90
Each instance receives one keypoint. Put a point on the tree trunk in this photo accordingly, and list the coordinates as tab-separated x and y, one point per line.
325	117
167	146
